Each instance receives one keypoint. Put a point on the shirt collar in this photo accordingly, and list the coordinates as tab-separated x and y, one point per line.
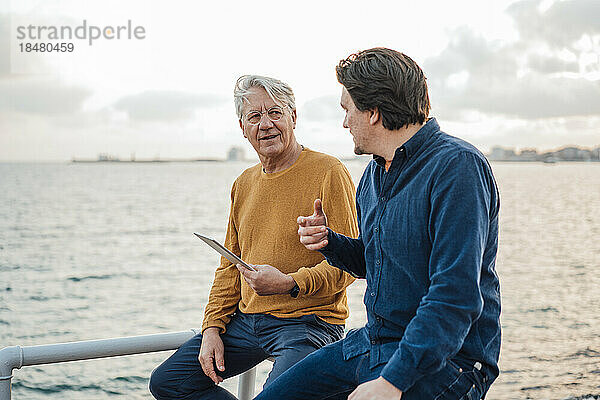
414	143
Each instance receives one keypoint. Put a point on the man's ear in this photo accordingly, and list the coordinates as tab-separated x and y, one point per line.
374	116
294	116
242	128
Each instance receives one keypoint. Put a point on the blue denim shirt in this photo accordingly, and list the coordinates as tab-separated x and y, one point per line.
427	248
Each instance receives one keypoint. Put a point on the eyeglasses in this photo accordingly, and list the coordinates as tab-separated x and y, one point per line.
274	114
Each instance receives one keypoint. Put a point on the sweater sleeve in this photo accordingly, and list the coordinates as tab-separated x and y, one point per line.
339	205
225	293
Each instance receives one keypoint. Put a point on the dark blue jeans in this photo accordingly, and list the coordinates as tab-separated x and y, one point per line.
325	374
249	340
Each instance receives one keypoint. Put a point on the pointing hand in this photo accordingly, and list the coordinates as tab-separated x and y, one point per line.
313	229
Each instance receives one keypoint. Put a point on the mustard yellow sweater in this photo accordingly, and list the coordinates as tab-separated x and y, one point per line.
262	229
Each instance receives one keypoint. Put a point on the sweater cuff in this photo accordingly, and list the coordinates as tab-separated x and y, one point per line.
301	277
214	324
400	373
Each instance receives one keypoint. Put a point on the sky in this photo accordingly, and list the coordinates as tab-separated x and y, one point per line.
518	74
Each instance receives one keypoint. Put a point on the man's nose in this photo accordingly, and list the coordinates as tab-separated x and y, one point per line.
265	123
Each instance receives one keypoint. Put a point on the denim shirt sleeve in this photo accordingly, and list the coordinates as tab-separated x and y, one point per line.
460	200
346	254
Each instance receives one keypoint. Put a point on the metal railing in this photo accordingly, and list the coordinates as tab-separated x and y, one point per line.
15	357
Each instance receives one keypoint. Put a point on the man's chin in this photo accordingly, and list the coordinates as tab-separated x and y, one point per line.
271	150
358	151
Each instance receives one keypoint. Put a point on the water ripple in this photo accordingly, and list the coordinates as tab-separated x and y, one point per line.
131	379
59	388
83	278
585	353
538	387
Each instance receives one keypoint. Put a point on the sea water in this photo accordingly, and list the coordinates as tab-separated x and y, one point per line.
101	250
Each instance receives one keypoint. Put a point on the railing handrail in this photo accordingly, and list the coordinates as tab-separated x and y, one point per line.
15	357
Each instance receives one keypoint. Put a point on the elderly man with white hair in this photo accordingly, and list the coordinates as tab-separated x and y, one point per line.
295	302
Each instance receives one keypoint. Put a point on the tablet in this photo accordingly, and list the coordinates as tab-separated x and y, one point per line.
224	251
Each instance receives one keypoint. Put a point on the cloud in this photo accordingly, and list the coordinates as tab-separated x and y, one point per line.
165	105
540	75
533	97
547	65
41	96
563	23
326	108
471	53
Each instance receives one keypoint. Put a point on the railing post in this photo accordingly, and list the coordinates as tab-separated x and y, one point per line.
5	387
10	358
246	384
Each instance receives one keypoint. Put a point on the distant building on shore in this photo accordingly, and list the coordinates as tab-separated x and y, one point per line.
573	154
569	153
501	154
528	155
107	157
236	153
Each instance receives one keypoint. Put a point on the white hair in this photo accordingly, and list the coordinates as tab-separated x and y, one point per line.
280	92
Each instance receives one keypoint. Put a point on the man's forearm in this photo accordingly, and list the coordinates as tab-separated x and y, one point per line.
345	253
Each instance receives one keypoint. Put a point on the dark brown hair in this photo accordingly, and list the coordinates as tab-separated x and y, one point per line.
389	81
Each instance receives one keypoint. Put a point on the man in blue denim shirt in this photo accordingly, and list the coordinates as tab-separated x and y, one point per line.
428	218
